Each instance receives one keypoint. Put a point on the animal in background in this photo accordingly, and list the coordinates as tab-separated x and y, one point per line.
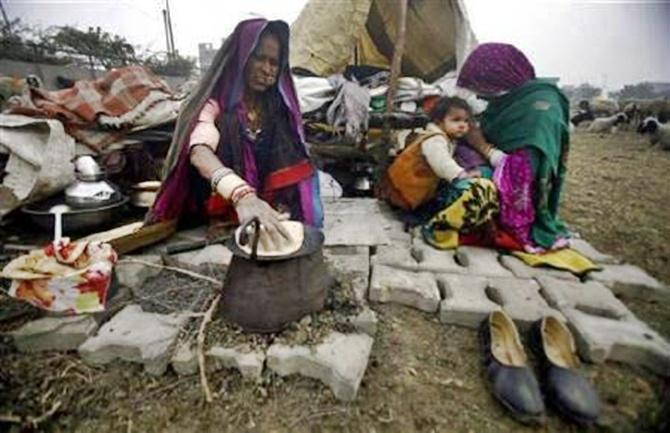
605	125
657	131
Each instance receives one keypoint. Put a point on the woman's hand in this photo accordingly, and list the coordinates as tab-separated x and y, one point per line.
470	174
496	157
273	233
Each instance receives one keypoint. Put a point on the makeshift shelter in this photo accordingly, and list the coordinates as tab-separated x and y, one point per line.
327	36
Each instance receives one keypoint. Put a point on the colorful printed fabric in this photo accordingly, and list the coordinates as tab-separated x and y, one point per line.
566	259
515	183
493	68
534	117
473	203
70	277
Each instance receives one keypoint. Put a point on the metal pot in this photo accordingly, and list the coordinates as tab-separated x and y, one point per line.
264	295
74	220
91	191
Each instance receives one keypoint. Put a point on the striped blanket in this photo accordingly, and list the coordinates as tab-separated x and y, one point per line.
99	112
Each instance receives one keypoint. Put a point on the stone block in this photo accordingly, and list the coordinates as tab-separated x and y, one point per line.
354	222
590	297
465	300
185	360
365	321
631	281
481	261
395	255
216	254
590	252
522	270
132	274
520	299
414	289
431	259
350	265
629	341
248	362
340	362
54	333
136	336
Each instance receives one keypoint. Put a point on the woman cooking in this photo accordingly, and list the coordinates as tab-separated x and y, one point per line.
238	147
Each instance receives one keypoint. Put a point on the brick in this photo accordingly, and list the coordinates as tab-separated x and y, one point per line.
465	301
414	289
481	261
520	299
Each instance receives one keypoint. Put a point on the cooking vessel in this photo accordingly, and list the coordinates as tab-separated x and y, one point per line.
74	220
264	294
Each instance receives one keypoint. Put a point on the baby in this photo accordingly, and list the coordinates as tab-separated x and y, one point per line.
413	177
450	121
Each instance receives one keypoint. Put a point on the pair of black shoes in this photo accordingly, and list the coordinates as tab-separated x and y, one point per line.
513	382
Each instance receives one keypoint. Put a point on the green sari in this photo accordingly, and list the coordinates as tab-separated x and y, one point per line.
535	117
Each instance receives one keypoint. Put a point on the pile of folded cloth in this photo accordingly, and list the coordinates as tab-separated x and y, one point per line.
65	276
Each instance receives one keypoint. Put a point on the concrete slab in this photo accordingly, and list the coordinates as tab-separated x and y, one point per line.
216	254
398	256
631	281
339	362
248	362
591	252
133	275
354	222
431	259
465	301
414	289
54	333
350	265
521	299
185	360
630	341
365	322
136	336
481	261
590	297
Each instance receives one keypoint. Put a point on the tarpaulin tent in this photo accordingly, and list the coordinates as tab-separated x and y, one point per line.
327	36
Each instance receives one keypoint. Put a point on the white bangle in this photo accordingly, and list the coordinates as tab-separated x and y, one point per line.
227	185
219	174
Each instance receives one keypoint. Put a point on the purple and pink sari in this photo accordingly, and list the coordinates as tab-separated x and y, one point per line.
275	162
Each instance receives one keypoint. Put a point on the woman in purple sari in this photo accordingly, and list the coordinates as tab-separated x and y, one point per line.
238	148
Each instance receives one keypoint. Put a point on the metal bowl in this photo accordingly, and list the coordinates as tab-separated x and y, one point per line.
74	220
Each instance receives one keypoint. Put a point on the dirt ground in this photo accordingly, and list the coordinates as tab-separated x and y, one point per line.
423	376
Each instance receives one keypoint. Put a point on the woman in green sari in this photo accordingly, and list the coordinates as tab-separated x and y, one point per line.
524	134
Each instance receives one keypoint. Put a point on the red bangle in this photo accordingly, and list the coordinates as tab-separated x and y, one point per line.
237	189
236	199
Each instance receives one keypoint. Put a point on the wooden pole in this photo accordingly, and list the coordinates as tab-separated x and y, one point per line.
397	54
395	67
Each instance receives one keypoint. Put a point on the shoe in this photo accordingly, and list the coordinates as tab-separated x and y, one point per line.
565	388
512	381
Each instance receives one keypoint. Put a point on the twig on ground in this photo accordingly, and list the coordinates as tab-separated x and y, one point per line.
46	415
218	283
201	348
318	414
9	418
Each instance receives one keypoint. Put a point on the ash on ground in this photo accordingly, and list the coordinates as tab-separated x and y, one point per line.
339	308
